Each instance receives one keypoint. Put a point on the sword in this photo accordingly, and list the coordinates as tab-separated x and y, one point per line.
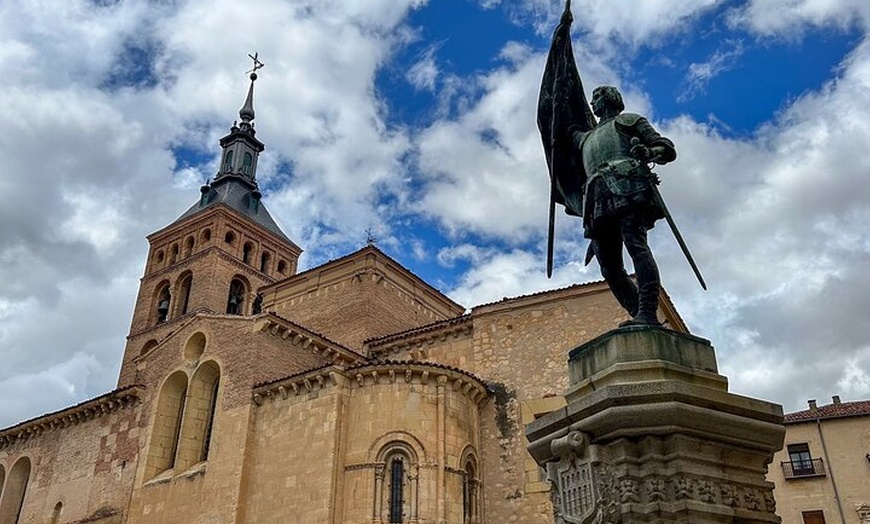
661	202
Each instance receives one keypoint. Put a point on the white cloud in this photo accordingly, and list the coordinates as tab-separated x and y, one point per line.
700	73
787	18
423	74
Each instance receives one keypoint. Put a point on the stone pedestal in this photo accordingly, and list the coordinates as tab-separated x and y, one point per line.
651	434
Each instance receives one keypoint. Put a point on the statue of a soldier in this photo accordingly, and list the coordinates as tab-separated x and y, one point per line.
619	205
600	171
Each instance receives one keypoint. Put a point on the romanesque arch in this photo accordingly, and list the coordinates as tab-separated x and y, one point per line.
469	465
167	421
396	490
14	490
199	412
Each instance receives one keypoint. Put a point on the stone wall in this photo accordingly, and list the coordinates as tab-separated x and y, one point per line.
82	461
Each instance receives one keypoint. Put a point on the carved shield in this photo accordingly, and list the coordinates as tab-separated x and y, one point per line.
574	480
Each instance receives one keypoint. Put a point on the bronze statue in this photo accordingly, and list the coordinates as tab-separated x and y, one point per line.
600	171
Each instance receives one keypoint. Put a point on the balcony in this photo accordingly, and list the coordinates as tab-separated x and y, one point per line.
803	469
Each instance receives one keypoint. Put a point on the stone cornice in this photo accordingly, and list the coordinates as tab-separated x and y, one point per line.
332	352
305	382
392	372
87	410
415	341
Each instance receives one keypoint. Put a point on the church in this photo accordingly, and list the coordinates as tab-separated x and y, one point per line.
349	393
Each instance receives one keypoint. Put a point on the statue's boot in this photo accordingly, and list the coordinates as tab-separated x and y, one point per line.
648	305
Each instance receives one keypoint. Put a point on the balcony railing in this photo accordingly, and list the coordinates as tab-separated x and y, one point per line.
803	468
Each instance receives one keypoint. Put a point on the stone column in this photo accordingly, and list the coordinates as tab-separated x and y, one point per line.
377	509
652	435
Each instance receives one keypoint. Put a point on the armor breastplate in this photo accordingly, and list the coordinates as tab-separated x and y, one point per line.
604	145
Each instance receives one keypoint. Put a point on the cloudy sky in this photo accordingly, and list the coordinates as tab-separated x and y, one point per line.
415	119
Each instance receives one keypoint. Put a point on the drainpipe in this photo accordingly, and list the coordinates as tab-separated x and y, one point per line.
830	470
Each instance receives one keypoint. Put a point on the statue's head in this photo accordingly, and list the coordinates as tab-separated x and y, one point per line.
606	101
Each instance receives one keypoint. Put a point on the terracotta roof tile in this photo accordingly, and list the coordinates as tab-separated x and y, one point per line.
839	410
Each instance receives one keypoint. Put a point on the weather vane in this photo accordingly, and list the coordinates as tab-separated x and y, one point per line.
257	63
370	237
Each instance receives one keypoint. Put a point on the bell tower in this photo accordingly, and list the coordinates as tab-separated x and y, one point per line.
215	257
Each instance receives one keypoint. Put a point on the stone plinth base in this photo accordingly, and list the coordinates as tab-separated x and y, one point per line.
651	434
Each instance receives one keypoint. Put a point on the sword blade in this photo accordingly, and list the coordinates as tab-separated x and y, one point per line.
679	237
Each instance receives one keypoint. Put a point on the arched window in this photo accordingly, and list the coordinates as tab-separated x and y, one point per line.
199	413
188	246
282	267
247	250
183	294
264	262
470	487
173	254
167	421
397	489
55	515
236	298
230	237
163	298
247	162
160	256
396	477
469	493
205	236
228	161
14	490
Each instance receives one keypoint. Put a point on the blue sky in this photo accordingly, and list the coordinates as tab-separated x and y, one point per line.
415	119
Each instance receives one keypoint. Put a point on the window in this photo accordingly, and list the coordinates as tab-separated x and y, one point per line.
236	298
247	161
469	492
801	463
184	294
282	267
264	262
55	515
229	238
163	298
14	489
188	246
397	479
206	235
247	250
228	161
174	254
813	517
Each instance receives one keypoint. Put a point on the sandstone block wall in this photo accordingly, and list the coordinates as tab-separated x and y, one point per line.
82	464
244	355
847	441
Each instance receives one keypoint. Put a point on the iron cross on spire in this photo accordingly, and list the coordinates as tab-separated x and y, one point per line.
257	63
